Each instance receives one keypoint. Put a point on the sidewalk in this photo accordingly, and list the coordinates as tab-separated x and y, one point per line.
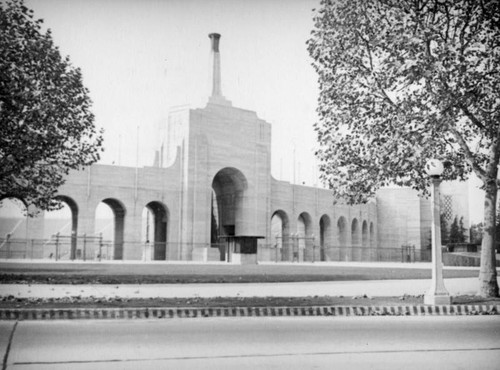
374	289
371	288
244	295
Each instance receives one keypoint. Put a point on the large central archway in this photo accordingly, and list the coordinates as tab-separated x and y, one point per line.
229	185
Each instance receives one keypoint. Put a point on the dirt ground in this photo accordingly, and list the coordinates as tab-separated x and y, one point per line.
79	302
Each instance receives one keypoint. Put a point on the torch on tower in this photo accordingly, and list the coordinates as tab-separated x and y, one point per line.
216	97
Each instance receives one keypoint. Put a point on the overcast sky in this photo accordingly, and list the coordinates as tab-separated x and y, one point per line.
139	58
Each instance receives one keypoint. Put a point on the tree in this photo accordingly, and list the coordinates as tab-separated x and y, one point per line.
461	231
444	230
497	230
46	127
454	231
476	233
403	81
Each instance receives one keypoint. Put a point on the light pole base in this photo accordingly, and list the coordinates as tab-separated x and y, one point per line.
437	299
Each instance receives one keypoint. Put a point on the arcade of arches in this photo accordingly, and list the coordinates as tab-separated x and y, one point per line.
299	243
304	245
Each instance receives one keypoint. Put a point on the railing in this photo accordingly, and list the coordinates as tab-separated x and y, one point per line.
314	253
95	248
59	247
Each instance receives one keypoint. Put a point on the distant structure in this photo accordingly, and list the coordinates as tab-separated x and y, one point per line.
218	195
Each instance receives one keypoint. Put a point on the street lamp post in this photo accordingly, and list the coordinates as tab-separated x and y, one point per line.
437	294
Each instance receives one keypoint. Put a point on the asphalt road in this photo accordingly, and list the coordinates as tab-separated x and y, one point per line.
249	343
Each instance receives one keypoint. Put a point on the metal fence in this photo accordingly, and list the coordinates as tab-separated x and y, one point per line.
314	253
57	248
95	248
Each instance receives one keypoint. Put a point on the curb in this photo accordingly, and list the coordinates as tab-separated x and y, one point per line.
171	313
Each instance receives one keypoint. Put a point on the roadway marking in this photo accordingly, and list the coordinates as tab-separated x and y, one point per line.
255	355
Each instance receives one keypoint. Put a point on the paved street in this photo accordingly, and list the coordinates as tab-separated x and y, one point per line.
224	343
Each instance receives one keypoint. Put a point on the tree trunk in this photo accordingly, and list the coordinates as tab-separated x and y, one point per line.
488	285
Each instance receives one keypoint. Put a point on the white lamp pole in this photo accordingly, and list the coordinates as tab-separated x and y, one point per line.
437	294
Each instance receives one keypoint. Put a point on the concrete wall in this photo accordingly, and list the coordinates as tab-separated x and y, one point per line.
399	218
405	218
128	191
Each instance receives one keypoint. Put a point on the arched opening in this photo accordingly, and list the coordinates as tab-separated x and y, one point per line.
355	242
305	240
109	224
61	227
365	242
155	231
343	251
280	232
13	228
228	186
324	236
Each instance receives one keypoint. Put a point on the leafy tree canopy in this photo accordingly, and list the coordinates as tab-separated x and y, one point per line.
455	236
476	233
403	81
46	127
444	229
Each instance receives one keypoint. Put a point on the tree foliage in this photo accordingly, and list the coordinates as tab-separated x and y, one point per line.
462	231
46	126
456	232
476	233
444	230
403	81
455	236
